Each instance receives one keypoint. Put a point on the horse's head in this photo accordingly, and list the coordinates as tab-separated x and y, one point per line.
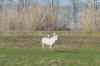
56	37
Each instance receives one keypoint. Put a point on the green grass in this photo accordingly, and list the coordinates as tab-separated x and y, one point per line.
70	50
59	57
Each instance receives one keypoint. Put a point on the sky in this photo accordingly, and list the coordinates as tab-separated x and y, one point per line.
64	2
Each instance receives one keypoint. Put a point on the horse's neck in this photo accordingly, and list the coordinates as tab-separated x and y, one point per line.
52	38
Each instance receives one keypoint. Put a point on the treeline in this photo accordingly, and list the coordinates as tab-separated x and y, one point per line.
47	15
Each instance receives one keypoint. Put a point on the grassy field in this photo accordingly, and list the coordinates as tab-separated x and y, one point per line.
70	50
35	57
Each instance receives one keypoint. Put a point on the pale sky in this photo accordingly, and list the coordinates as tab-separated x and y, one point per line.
63	1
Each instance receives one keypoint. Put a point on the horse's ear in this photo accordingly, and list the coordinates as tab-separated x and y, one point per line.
48	36
54	33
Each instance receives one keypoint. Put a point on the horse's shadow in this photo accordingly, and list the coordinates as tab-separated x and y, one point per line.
66	51
61	51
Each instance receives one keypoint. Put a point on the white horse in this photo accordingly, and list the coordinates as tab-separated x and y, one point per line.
49	41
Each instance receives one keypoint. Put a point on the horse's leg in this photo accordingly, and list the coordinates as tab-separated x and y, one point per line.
43	46
50	48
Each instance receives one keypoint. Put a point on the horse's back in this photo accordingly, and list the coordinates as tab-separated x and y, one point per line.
45	40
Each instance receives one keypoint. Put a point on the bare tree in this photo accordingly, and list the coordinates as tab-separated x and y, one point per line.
50	15
22	8
52	11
